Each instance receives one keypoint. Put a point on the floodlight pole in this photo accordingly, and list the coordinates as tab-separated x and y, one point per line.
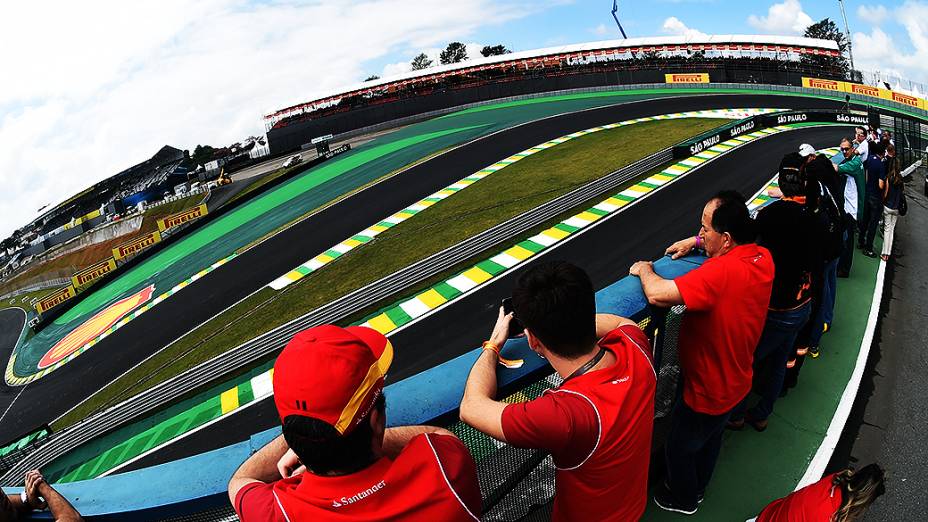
847	31
615	9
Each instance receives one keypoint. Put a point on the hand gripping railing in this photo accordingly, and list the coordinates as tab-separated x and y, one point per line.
97	424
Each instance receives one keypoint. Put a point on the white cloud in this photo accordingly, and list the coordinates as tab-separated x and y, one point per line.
674	26
873	15
881	51
99	87
601	30
786	17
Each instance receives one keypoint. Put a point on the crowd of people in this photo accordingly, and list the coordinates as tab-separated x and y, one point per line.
755	308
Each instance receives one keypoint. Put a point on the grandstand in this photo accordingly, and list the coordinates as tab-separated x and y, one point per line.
727	58
83	211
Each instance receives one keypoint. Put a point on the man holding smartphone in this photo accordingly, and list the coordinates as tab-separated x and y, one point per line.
597	425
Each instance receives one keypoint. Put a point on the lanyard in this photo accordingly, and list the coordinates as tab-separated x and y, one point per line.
588	366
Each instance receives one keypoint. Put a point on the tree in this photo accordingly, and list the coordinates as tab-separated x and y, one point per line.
454	53
421	61
494	50
372	78
828	30
202	154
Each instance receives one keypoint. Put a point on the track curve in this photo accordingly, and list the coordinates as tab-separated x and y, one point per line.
640	232
51	396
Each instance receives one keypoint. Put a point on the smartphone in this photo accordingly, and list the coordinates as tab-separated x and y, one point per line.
515	326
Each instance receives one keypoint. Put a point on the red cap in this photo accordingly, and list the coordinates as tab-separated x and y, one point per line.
332	374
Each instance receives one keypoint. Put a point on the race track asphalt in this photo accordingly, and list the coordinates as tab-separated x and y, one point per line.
641	231
12	321
54	394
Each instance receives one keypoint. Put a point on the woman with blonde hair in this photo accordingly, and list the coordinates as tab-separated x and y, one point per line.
892	188
840	497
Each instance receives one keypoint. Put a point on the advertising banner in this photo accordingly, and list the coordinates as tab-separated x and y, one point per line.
686	78
864	90
136	245
704	141
905	99
54	299
181	217
818	83
93	272
851	118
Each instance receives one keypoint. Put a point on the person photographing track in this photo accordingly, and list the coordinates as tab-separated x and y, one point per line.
336	460
597	425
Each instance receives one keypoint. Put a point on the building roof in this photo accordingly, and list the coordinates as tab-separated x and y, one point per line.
815	44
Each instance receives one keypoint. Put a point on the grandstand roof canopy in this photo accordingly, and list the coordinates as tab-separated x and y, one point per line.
799	43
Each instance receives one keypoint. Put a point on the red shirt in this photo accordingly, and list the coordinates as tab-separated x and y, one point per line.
814	503
597	427
433	479
726	307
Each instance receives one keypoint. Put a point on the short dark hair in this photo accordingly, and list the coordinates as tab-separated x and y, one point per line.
556	302
791	179
731	215
877	147
323	450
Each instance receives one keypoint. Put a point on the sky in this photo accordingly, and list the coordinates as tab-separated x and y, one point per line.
92	88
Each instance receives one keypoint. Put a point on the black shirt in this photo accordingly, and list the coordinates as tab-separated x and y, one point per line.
789	230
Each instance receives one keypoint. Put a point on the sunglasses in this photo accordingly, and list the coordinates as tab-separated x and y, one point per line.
845	149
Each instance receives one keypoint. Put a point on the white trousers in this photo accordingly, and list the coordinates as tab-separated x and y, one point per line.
889	227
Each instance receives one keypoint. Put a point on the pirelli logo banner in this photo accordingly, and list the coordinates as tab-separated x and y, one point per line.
864	90
686	78
54	299
181	217
93	272
828	85
904	99
136	245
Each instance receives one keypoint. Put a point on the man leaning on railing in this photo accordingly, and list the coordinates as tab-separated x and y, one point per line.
336	460
37	495
726	305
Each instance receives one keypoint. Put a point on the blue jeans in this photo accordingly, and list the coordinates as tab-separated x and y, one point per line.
829	293
847	254
692	448
873	211
774	348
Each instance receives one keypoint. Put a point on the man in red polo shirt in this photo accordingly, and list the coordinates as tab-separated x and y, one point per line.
335	460
726	306
597	425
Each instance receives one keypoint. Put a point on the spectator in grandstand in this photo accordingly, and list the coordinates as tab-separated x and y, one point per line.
597	425
851	169
37	495
861	145
787	229
844	496
726	304
873	202
892	187
335	450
